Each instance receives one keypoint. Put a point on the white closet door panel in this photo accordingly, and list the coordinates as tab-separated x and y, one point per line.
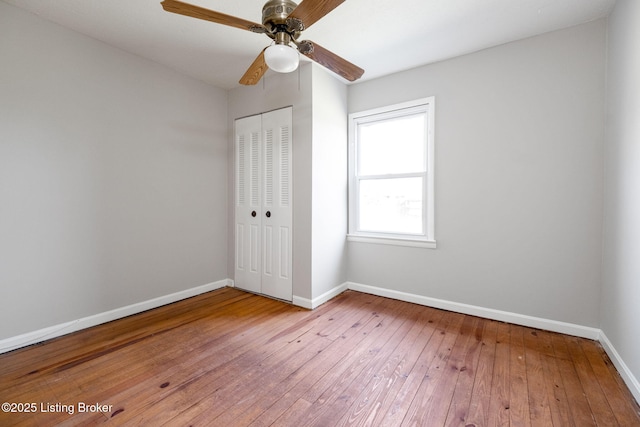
277	209
248	269
267	259
240	242
284	271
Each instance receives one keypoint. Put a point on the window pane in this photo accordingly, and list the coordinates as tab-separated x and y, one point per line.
392	146
391	205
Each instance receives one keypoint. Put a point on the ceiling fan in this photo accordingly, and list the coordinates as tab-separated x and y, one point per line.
283	21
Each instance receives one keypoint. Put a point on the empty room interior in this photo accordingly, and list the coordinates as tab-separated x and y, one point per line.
431	219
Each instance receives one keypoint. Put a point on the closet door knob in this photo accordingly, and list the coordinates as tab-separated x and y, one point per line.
268	214
253	214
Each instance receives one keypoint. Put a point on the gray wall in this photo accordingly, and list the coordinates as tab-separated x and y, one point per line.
329	185
621	278
113	176
519	178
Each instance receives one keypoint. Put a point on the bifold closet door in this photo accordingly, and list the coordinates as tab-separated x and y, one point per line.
263	204
276	204
248	269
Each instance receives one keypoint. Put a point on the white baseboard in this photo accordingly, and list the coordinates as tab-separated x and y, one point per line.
40	335
318	301
627	376
503	316
302	302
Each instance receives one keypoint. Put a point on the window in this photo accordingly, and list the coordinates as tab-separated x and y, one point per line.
391	174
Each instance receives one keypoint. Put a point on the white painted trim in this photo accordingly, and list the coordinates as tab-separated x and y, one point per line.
503	316
40	335
318	301
302	302
378	240
627	376
417	106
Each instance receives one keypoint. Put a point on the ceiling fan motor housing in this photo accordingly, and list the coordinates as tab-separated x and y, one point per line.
275	13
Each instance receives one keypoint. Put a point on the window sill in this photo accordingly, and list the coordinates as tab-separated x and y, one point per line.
415	243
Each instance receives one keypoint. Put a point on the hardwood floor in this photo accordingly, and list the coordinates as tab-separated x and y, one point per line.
228	358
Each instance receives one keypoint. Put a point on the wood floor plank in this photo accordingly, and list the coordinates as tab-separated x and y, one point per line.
556	396
579	406
441	401
518	407
388	373
534	347
404	369
460	408
232	358
137	397
481	393
445	329
331	402
253	404
423	409
76	347
255	346
194	362
619	398
214	409
357	327
500	388
598	403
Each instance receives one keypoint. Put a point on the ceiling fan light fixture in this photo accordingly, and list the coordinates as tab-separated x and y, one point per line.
281	58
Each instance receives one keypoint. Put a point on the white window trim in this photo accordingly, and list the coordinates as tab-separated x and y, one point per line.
428	239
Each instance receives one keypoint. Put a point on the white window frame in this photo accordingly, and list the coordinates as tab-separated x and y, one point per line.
427	239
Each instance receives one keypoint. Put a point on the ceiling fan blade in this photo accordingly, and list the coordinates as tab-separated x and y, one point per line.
193	11
255	71
330	60
310	11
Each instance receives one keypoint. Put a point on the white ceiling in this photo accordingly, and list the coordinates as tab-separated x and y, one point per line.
380	36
